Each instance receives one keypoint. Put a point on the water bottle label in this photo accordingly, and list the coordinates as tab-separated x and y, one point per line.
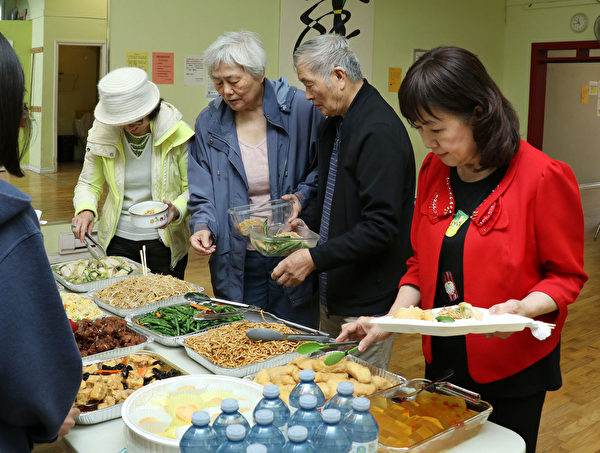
364	447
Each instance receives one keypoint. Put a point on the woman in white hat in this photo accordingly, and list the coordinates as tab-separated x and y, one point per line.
138	147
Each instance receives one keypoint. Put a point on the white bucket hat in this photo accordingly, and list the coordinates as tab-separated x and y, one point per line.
126	95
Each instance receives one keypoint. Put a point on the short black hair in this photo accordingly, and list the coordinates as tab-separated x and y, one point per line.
155	111
12	89
455	81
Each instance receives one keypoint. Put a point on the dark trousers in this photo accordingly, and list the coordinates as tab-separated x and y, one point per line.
522	415
264	292
158	256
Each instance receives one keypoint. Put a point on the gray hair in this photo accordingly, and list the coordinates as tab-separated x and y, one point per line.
323	53
242	48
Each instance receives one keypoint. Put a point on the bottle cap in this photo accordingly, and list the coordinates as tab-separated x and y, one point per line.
297	433
229	405
308	401
271	391
331	415
256	448
307	375
200	418
263	417
235	432
361	404
345	388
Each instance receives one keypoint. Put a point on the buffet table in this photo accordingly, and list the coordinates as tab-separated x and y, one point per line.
109	437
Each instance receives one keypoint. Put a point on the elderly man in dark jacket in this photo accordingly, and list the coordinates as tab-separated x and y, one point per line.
366	184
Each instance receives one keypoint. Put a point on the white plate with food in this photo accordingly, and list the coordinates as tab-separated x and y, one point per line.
461	319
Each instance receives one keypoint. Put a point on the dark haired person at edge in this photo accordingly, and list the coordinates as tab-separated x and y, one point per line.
41	363
503	222
138	147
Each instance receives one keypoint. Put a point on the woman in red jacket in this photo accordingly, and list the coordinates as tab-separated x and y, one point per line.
497	223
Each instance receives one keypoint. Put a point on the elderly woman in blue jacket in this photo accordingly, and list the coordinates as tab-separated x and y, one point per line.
253	143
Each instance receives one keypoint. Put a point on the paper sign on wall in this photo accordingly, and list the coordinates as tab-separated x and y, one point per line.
211	91
394	79
593	88
193	70
137	60
584	94
163	64
598	107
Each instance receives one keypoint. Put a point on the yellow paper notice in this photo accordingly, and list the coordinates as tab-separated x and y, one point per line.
137	60
394	79
584	94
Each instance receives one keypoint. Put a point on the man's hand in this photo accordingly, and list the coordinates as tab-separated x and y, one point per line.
68	423
296	206
202	242
294	269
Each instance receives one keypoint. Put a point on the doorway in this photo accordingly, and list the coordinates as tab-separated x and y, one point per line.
79	68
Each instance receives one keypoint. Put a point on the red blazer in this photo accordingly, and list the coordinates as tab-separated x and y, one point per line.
526	236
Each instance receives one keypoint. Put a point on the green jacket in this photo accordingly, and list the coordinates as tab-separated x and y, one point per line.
105	163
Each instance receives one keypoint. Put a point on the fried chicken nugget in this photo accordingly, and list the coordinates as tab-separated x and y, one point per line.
360	372
303	362
381	382
262	377
361	389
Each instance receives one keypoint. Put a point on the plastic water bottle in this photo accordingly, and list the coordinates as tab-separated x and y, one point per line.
362	427
308	415
199	437
271	401
229	415
331	436
236	440
306	386
342	400
265	432
256	448
298	441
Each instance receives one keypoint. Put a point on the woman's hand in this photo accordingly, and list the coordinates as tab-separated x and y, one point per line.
296	206
202	242
172	213
362	330
68	423
82	223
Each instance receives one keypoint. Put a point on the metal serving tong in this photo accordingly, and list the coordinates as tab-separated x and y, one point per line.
95	249
273	335
224	315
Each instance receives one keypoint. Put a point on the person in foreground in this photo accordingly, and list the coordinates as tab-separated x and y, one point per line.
497	223
42	365
365	194
138	147
253	143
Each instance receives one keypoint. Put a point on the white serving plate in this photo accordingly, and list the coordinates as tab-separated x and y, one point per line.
139	440
489	324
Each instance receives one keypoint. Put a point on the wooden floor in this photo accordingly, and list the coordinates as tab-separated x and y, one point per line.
571	416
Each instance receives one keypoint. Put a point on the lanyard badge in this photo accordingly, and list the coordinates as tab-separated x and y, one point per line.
459	218
450	286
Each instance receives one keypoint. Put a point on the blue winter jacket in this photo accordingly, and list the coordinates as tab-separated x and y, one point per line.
41	367
217	180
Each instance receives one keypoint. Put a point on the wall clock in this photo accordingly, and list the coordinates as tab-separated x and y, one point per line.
579	22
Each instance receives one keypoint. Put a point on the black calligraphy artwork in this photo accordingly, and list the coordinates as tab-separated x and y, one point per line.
340	16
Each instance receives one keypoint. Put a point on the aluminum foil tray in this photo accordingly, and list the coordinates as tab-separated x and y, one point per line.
123	312
253	368
180	300
118	352
92	286
112	412
394	378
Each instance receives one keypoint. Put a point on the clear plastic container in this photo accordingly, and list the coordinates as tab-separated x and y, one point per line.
331	436
298	441
230	415
200	436
273	211
280	240
306	386
271	401
342	400
265	432
362	427
307	415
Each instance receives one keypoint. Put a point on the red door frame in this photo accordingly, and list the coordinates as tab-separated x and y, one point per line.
537	80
